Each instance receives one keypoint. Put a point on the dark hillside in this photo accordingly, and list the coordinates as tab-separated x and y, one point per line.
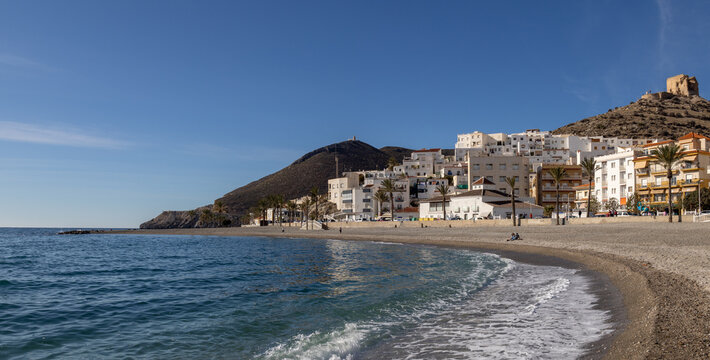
295	180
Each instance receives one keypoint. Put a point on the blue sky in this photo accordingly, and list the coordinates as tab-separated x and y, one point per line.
111	112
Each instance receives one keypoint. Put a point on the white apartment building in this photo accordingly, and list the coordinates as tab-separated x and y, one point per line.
424	162
353	194
614	176
542	147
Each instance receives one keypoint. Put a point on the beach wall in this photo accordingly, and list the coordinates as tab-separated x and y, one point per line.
497	223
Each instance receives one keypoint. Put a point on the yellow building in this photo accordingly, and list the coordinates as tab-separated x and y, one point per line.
692	171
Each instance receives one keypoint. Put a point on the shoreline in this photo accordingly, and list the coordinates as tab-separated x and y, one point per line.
657	313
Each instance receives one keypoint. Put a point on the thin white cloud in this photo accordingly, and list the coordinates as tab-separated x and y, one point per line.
22	62
665	18
15	131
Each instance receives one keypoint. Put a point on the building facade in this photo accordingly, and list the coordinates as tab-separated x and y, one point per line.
614	177
483	202
544	188
692	172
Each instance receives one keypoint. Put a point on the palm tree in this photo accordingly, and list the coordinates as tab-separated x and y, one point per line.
291	208
220	210
279	203
444	190
669	155
304	206
381	197
271	204
219	207
390	188
558	173
315	196
511	182
263	206
589	165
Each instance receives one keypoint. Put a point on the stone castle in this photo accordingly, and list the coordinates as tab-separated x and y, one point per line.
679	85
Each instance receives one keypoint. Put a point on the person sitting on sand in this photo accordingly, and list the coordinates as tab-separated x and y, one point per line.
517	236
512	237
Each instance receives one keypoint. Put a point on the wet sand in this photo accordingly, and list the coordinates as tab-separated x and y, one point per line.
660	272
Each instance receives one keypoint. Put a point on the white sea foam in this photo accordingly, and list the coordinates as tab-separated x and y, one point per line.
514	311
335	345
533	312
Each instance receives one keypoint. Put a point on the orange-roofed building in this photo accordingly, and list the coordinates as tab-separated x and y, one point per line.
691	172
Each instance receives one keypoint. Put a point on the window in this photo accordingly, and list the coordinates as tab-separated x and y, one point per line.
598	182
688	177
502	179
501	166
613	190
515	166
489	178
613	178
489	166
476	166
517	179
613	165
644	182
658	181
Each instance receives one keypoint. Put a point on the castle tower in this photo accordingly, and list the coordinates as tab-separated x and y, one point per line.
682	85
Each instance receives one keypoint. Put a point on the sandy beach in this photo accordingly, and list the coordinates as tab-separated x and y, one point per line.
661	270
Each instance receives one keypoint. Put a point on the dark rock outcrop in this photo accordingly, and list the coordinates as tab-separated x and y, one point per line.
173	219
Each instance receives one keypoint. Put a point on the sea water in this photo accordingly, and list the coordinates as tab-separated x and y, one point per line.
195	297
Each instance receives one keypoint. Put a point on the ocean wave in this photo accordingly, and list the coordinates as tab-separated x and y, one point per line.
335	345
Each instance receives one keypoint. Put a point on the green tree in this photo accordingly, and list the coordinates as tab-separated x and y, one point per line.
381	197
558	173
612	204
691	199
594	205
631	201
547	210
390	188
207	217
444	190
511	183
589	165
668	156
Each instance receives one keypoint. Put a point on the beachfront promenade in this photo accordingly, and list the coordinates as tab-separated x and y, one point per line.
662	270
